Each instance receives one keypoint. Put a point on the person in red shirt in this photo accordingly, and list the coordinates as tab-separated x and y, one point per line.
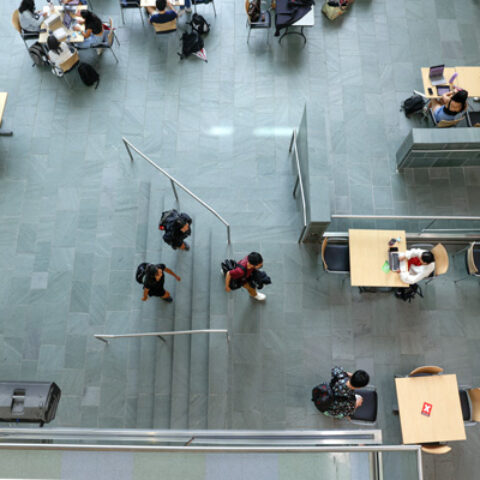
243	272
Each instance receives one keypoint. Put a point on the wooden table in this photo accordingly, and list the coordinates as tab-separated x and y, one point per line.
368	252
445	422
72	35
3	103
468	78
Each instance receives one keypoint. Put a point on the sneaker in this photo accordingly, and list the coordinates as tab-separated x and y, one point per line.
99	51
168	299
188	9
260	297
186	246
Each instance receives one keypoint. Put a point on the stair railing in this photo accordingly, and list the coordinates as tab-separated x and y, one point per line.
104	337
173	182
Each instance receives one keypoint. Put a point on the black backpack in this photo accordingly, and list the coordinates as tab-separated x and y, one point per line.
37	55
168	217
413	104
88	74
191	43
258	279
408	294
199	24
140	273
323	396
230	264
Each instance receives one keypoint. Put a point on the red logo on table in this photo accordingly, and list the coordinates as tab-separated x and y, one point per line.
427	409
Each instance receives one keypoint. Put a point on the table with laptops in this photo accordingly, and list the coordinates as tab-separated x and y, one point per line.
60	23
438	79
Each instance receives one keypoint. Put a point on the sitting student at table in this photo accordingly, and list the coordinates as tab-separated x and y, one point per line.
449	106
58	53
163	13
94	33
415	265
30	20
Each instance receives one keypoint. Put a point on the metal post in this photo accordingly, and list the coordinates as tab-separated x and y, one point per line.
162	339
229	241
291	142
128	149
101	338
429	225
419	464
175	191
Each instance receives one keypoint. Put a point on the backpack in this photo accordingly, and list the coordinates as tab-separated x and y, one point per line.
408	294
191	43
168	217
323	396
88	74
333	11
37	55
199	24
258	279
230	264
412	104
140	273
253	10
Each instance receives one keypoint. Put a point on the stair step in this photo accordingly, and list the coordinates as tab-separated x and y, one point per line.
218	351
198	402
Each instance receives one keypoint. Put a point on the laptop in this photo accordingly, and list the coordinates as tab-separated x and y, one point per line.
442	89
68	20
436	75
393	259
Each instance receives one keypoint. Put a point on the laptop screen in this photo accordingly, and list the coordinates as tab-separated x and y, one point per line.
437	71
67	20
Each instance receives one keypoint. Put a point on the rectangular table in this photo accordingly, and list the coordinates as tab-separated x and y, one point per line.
72	35
368	252
468	79
308	20
445	422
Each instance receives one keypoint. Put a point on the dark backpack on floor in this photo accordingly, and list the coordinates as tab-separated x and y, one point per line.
413	104
88	74
140	273
191	43
37	55
199	24
322	397
408	294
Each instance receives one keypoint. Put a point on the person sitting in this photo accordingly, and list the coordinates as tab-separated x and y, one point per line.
30	20
415	265
343	385
94	32
163	13
449	106
58	53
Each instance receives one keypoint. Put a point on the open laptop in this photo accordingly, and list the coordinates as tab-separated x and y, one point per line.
436	75
68	20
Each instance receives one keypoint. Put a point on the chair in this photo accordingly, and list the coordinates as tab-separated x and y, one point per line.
111	37
473	119
25	35
367	412
472	260
440	255
335	257
69	65
204	2
436	449
129	4
163	28
444	123
425	371
265	21
470	403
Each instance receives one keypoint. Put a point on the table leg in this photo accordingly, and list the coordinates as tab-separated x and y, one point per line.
294	32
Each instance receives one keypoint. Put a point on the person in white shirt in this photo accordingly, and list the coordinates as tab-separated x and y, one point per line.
415	265
30	20
58	52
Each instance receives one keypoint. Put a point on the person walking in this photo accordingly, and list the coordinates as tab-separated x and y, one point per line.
240	275
153	282
177	228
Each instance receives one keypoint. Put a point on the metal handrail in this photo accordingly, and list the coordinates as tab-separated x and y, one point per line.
174	182
299	181
103	337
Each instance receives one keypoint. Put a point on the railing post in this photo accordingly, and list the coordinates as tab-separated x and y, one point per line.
175	191
229	241
128	149
419	464
297	181
161	338
98	337
291	141
429	225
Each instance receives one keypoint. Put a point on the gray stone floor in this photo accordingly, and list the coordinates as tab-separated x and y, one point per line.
74	212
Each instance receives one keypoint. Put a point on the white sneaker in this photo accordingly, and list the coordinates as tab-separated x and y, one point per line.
188	9
260	297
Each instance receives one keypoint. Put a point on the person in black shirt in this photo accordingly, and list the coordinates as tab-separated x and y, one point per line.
94	33
154	281
177	229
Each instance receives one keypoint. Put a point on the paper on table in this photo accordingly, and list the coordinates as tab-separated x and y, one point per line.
386	266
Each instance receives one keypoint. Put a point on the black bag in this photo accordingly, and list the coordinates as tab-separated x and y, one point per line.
254	10
258	279
191	43
323	396
88	74
199	24
168	217
229	264
408	294
37	55
413	104
140	273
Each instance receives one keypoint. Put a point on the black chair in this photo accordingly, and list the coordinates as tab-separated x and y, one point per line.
265	21
367	412
335	257
470	402
128	4
23	33
472	260
204	2
473	119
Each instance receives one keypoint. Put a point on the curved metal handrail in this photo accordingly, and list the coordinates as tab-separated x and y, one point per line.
103	337
174	181
299	181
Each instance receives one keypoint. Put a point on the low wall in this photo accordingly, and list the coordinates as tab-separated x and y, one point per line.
440	147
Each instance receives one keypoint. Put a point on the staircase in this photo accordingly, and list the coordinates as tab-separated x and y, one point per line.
182	383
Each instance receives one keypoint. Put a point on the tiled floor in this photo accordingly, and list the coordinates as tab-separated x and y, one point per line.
73	210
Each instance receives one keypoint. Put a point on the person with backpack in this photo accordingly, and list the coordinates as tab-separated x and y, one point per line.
153	282
240	275
177	229
58	52
343	385
94	33
30	20
415	265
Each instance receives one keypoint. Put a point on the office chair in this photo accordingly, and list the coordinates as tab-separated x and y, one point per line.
24	34
335	256
436	449
425	371
264	22
129	4
470	403
111	37
366	414
472	261
440	255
